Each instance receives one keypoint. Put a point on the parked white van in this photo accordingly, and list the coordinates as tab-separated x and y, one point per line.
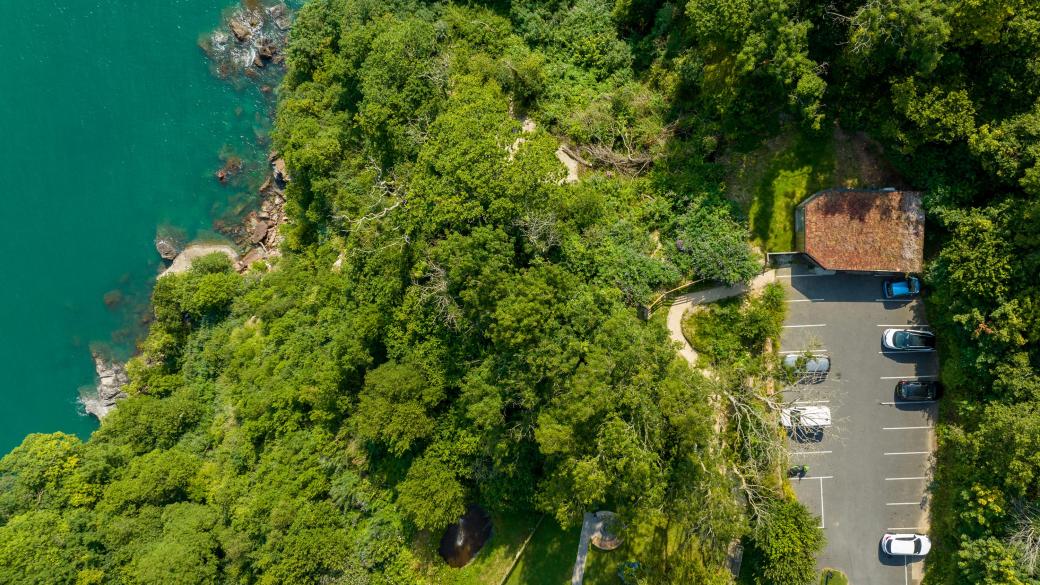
804	417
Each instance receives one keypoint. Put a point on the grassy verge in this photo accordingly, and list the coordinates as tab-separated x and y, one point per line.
736	328
549	557
833	577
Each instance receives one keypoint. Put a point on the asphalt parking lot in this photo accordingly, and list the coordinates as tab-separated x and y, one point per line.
869	474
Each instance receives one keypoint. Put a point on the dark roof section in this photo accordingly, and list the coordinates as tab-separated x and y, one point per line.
859	230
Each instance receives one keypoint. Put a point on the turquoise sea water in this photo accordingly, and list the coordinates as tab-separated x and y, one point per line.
110	125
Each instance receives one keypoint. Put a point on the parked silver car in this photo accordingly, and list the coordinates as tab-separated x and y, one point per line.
807	368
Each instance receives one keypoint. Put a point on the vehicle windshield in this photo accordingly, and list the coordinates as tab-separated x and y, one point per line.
917	546
907	339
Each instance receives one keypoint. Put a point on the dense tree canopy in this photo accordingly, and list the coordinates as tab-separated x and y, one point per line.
453	322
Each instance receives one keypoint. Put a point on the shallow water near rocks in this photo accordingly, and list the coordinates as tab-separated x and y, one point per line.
111	124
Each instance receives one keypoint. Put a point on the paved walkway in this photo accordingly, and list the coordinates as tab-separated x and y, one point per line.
588	526
683	303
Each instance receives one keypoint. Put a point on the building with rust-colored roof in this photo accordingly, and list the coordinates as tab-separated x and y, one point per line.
862	230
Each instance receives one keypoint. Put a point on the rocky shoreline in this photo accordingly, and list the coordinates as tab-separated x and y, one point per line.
250	44
252	38
258	233
112	378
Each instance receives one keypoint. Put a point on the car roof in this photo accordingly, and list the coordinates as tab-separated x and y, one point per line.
903	544
812	415
817	363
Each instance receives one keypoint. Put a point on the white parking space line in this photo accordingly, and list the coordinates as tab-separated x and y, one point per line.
812	401
803	300
803	326
909	402
819	477
811	452
823	517
909	377
906	573
903	504
910	453
905	478
903	428
814	351
914	325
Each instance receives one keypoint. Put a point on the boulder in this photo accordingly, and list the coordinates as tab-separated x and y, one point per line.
259	232
267	50
240	29
253	255
168	242
281	175
167	249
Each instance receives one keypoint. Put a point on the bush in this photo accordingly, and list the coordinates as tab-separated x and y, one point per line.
788	540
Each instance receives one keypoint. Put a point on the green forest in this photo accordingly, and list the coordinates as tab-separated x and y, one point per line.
456	321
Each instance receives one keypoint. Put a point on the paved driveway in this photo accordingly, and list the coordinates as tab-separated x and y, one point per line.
870	472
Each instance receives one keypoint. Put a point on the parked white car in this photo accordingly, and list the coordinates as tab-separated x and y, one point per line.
909	545
805	417
908	340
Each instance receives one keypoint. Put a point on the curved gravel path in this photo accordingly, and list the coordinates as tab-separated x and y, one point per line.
685	302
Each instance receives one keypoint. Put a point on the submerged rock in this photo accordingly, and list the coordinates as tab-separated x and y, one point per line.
112	378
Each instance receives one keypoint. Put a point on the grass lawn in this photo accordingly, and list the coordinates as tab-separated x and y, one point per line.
640	543
491	563
549	557
770	181
786	177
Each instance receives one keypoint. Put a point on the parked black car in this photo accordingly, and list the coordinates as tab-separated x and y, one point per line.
911	390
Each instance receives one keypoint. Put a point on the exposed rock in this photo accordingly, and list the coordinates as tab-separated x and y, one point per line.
259	232
281	175
267	50
167	250
253	255
112	378
240	29
168	242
